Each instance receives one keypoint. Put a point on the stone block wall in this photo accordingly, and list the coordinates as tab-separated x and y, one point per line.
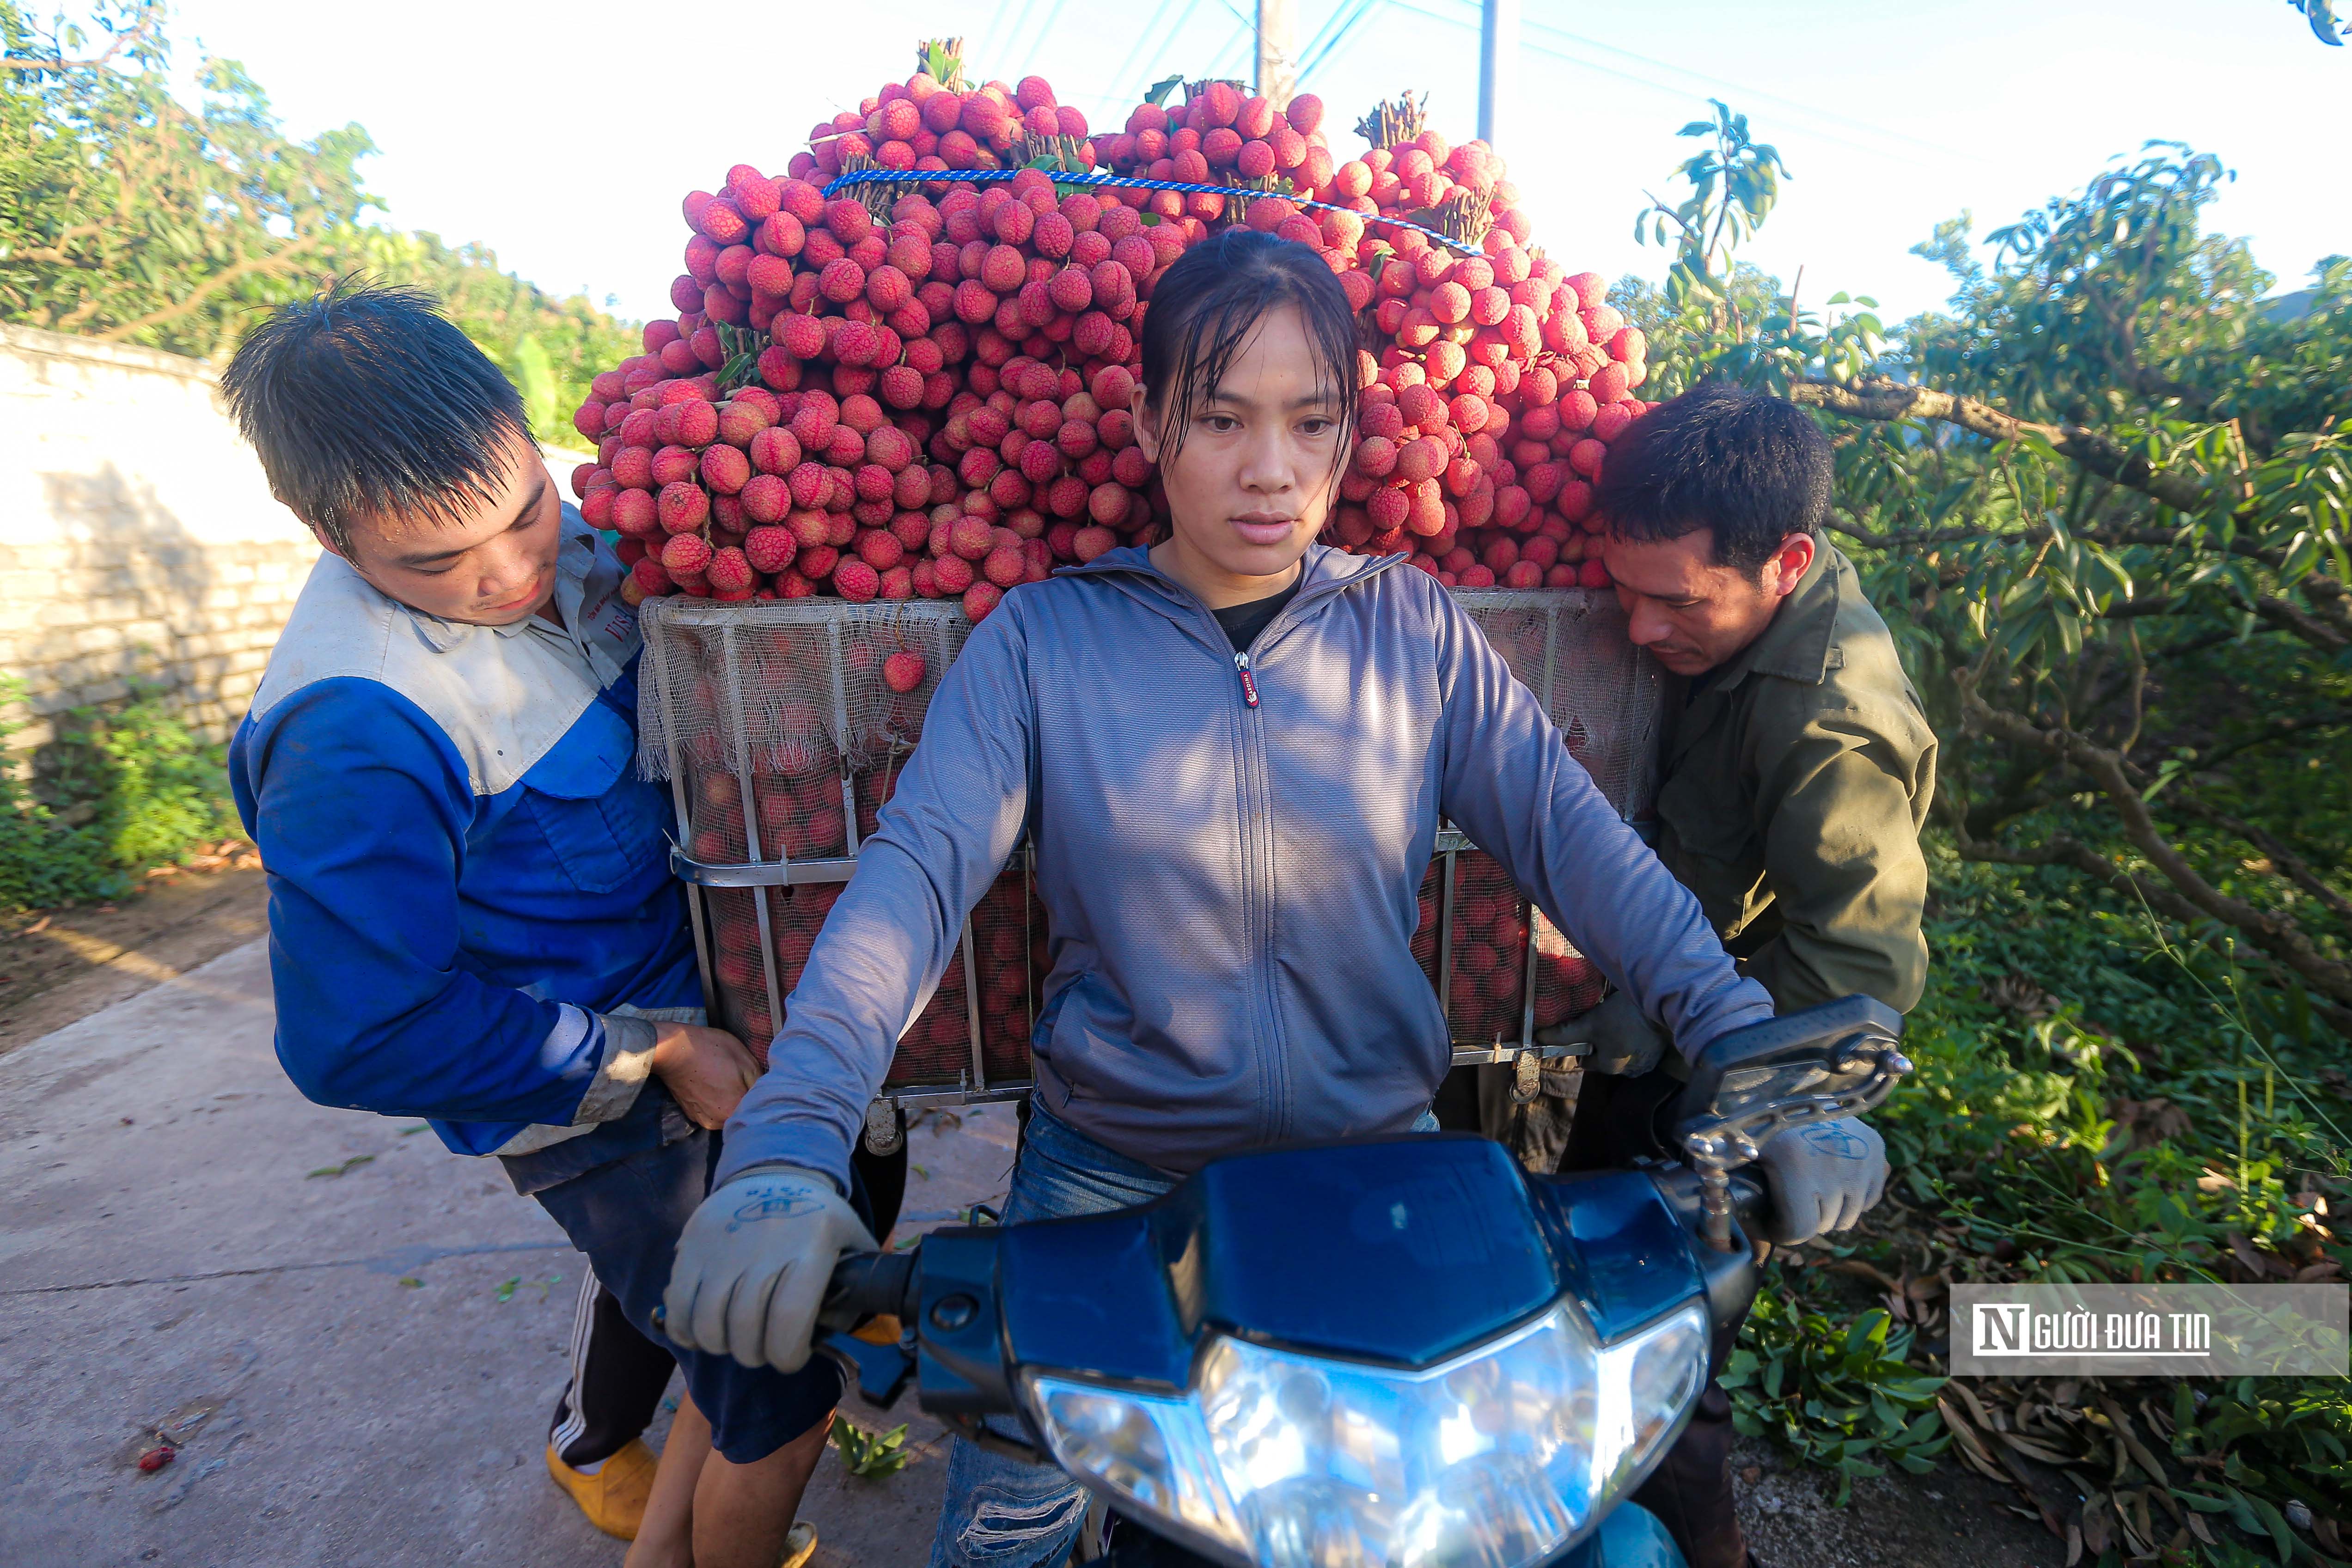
138	544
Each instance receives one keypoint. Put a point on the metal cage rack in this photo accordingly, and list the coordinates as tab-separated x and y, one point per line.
781	739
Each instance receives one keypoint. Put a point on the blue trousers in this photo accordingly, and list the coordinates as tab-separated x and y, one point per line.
1000	1513
622	1193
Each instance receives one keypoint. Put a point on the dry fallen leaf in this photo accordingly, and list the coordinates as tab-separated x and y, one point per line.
2096	1535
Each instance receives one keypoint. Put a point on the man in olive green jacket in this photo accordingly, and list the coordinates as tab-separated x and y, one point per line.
1795	779
1797	763
1797	768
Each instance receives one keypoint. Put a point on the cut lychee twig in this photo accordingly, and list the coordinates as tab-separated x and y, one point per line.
1398	121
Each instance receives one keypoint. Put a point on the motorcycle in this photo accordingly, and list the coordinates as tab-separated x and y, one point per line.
1398	1351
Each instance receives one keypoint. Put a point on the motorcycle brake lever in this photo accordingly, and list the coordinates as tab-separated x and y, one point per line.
879	1371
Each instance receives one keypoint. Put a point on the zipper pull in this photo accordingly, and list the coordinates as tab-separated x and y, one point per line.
1249	682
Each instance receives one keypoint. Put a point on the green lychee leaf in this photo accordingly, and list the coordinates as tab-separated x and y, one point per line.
741	370
1161	88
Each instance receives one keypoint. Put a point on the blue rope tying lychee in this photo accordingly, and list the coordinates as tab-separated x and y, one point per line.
1132	182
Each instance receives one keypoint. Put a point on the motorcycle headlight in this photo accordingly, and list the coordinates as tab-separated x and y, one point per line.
1496	1459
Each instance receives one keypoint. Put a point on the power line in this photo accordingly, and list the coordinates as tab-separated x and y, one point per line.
988	44
1683	94
1239	42
1045	31
1754	93
1335	32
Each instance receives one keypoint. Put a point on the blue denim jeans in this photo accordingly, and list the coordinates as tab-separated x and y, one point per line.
1000	1513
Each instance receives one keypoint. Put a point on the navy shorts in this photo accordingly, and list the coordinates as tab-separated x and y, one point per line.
625	1214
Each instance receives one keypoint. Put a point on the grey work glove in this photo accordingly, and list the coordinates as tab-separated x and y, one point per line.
1823	1176
1625	1043
753	1264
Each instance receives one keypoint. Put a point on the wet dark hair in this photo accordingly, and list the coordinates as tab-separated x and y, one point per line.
1204	307
365	400
1752	469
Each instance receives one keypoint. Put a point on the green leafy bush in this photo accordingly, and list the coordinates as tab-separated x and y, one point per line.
142	781
118	792
1841	1394
45	861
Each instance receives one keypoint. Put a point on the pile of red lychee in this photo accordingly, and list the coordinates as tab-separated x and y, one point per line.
923	391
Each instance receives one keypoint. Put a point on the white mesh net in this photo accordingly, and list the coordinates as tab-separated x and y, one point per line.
1568	645
793	688
785	687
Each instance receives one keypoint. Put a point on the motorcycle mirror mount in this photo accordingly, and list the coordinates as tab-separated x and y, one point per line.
1748	1087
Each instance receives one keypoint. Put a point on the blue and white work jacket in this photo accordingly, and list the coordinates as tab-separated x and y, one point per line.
467	877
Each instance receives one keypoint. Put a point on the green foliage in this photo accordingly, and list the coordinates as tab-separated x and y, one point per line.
551	348
2094	1101
2321	16
2091	1104
1841	1394
870	1456
43	861
139	780
1718	315
1734	181
131	217
2102	503
2255	1440
117	792
2145	588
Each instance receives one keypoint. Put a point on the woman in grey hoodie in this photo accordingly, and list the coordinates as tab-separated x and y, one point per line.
1232	750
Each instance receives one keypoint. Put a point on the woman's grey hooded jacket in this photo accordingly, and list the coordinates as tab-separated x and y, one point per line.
1230	852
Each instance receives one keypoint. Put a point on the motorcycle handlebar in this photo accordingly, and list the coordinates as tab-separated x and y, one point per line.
888	1284
874	1284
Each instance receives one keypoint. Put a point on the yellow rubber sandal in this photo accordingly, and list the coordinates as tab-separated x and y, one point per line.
613	1497
798	1546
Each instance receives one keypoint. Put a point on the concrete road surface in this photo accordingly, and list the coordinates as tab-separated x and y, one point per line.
358	1335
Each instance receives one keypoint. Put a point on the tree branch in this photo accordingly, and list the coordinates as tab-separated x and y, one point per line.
2327	627
141	33
2292	866
263	265
2279	730
1882	399
2298	623
2190	896
2075	855
2327	595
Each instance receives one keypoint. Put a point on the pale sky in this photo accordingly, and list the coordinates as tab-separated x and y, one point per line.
564	137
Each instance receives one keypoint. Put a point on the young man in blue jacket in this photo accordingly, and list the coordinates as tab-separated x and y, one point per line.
472	918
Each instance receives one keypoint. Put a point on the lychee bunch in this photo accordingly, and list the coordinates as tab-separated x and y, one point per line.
1223	135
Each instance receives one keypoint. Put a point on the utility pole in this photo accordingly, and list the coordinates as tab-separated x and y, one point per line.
1498	68
1277	50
